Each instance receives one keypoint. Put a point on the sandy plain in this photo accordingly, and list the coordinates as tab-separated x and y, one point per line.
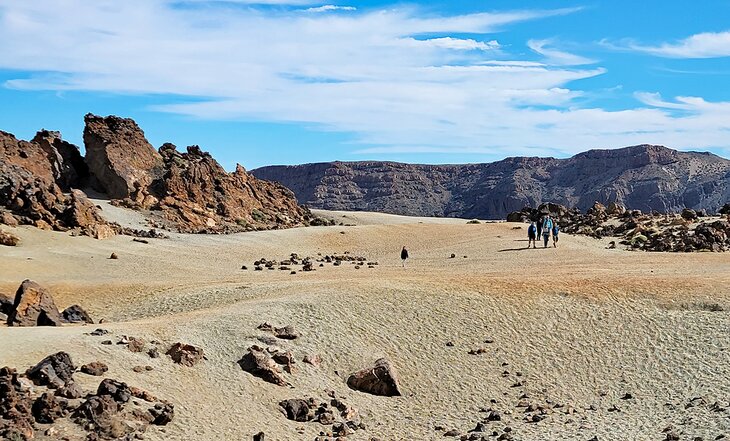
582	324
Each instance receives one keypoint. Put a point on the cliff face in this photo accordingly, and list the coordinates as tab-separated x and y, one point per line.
644	177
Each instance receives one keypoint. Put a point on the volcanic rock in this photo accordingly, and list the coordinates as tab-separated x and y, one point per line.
76	314
33	306
46	408
54	371
644	177
8	239
119	157
259	363
296	409
381	379
95	368
186	355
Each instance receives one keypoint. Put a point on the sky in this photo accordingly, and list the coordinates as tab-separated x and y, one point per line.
448	81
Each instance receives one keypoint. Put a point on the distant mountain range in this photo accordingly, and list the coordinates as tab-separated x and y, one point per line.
643	177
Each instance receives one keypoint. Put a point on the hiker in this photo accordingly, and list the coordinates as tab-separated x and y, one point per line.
532	235
556	230
404	255
547	227
539	226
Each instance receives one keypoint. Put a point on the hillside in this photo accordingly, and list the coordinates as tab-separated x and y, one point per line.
643	177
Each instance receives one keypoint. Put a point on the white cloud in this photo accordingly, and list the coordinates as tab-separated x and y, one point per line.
555	56
704	45
456	43
328	8
371	73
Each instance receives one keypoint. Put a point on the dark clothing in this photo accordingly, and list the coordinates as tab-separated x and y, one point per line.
404	254
532	232
539	227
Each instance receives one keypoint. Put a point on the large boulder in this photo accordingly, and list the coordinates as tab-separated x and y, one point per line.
54	371
34	306
381	379
67	165
119	157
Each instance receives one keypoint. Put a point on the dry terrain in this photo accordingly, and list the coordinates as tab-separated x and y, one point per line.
581	324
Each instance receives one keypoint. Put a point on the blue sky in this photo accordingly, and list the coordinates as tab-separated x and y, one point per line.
285	82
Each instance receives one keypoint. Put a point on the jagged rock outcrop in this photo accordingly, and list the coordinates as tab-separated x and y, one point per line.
185	191
644	177
33	178
120	158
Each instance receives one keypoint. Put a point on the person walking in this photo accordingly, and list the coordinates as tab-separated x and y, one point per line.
404	255
547	227
539	226
532	235
556	230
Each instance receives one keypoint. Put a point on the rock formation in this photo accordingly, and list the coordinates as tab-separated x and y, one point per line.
119	157
644	177
33	306
186	191
33	178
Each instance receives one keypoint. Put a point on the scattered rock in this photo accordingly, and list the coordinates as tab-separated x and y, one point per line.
381	379
8	239
313	359
259	363
114	256
186	355
287	333
135	344
95	368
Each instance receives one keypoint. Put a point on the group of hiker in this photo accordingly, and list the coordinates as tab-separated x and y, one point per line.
545	227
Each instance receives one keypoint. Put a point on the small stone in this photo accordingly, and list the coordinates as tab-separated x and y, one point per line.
114	256
95	368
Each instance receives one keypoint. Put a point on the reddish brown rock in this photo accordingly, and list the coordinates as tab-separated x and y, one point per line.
33	178
34	306
186	355
381	379
95	368
259	363
8	239
16	420
123	164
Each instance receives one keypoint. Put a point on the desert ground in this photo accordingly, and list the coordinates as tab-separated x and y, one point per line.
582	325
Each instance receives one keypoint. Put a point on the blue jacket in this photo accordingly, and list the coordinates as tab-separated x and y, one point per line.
547	226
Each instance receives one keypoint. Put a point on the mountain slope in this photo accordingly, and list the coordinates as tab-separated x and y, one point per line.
644	177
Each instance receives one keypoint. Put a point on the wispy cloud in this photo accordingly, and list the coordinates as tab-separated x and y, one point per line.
704	45
398	79
557	57
328	8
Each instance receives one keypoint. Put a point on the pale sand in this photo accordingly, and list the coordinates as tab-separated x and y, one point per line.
574	320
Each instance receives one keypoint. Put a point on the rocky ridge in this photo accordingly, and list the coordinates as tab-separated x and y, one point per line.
643	177
41	184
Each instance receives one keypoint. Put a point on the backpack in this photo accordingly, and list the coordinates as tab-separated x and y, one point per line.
556	229
532	230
